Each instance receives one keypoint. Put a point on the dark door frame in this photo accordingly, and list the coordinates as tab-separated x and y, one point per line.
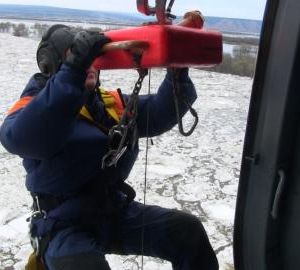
269	155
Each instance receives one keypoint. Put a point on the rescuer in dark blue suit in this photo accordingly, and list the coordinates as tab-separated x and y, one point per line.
60	128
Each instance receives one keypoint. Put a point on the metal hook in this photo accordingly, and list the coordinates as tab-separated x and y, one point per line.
163	15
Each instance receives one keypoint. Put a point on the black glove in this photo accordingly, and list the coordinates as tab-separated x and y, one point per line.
86	46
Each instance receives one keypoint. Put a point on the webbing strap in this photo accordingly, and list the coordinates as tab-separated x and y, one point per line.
113	102
179	97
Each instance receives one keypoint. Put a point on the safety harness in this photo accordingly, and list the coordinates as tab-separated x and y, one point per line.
113	102
124	134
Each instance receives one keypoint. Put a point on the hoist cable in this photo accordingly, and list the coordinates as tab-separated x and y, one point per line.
170	6
146	170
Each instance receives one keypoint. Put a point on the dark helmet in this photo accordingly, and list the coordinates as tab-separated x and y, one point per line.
51	50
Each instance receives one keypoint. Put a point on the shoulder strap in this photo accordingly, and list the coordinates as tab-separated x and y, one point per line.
113	102
114	106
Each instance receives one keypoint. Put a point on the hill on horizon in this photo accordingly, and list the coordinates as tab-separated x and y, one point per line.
30	12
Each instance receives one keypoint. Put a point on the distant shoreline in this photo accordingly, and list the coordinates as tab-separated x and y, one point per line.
109	23
54	14
65	20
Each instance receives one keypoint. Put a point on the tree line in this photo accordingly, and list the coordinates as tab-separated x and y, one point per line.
36	31
241	40
241	62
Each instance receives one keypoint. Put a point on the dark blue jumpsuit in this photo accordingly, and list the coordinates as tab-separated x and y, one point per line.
62	156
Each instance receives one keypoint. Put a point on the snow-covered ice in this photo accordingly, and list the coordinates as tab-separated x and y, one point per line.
198	174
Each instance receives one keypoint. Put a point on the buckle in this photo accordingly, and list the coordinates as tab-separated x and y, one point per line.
38	212
117	147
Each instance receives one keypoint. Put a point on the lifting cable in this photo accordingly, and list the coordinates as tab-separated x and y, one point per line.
177	97
145	171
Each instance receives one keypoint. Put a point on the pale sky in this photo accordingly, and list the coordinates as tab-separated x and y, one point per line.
244	9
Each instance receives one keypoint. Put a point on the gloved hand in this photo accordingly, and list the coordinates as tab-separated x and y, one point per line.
86	46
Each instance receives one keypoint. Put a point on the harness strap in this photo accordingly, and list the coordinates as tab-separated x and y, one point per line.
43	244
128	191
125	133
46	202
180	97
114	106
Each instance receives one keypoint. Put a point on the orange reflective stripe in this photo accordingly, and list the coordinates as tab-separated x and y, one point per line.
118	106
21	103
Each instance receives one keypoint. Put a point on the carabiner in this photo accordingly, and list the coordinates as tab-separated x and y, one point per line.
163	15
